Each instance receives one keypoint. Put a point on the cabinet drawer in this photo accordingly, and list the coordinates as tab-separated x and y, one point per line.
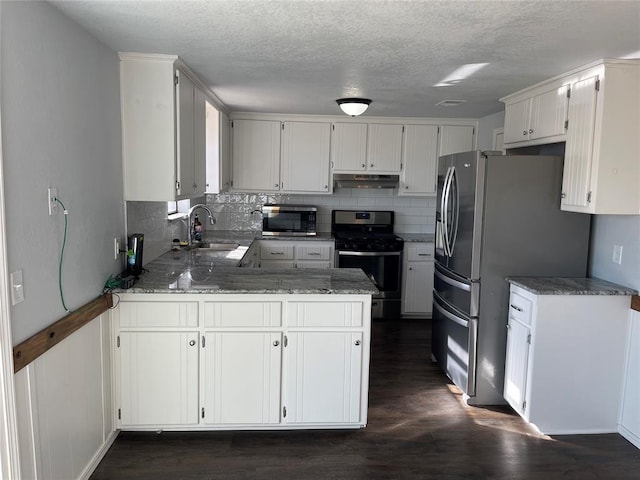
276	252
242	314
158	314
520	308
421	252
324	314
313	252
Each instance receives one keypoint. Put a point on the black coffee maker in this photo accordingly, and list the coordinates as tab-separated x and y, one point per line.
135	244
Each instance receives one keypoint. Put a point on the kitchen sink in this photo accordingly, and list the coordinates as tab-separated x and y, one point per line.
216	246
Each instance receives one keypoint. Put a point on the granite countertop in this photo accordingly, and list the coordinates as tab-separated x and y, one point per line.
193	271
246	237
569	286
417	237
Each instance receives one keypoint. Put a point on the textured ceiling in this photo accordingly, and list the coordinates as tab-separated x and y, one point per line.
286	56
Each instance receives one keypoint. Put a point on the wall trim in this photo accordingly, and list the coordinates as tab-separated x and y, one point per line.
34	346
97	458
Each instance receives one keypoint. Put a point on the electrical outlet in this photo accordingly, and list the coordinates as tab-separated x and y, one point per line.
52	194
617	254
116	248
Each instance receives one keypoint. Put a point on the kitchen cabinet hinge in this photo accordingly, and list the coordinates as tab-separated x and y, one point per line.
438	129
202	412
402	128
177	186
474	131
589	197
284	412
283	126
524	406
231	124
333	127
568	93
566	124
529	339
118	341
176	80
119	414
286	341
597	85
203	341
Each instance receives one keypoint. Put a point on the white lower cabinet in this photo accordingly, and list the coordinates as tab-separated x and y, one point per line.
324	371
296	254
158	378
242	377
417	279
629	422
244	361
564	360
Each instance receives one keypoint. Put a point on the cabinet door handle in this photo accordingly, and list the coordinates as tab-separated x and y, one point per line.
524	132
530	130
371	165
406	187
357	343
276	185
364	165
410	268
326	187
515	307
192	343
276	253
276	343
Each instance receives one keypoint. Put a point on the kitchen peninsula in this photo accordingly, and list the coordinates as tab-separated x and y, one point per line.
201	344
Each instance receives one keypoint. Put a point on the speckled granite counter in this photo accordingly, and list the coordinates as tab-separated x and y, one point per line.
417	237
215	272
569	286
245	238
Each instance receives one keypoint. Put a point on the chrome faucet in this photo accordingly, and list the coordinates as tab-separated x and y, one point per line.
192	226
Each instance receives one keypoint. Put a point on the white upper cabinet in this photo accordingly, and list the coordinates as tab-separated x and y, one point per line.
456	139
162	121
256	155
349	147
274	156
360	147
419	160
601	155
538	118
305	157
601	167
384	148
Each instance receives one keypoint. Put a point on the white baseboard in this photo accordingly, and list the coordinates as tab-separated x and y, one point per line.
97	458
629	435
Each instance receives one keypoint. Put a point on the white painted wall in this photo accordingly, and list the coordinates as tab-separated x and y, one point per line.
486	126
61	127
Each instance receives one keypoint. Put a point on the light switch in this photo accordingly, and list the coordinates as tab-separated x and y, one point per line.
17	288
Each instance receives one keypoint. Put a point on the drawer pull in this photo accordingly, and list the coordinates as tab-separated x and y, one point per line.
316	254
424	254
276	253
515	308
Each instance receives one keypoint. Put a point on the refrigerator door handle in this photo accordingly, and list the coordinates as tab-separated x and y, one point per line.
454	283
455	210
445	313
445	205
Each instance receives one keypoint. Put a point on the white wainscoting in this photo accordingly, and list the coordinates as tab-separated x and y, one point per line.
64	403
629	422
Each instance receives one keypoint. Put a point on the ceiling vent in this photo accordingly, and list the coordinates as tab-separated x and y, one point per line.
450	103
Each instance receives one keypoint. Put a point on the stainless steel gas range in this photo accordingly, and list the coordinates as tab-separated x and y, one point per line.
365	239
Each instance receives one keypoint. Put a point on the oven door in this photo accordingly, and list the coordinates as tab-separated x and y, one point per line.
383	268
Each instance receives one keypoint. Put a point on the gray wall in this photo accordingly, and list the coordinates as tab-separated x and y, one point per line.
61	128
486	126
610	230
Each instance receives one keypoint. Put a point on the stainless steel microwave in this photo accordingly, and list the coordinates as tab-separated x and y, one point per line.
289	220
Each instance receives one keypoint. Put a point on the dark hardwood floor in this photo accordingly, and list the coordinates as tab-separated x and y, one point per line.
418	428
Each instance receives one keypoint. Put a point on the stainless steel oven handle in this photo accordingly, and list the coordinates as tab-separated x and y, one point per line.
454	283
368	254
454	318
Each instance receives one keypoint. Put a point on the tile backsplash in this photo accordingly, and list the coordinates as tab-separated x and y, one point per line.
242	211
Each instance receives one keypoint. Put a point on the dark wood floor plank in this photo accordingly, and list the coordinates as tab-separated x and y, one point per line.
419	428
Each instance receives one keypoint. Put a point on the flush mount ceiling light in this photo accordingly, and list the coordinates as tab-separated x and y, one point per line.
353	106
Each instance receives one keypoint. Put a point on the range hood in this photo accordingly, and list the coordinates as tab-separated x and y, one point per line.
363	180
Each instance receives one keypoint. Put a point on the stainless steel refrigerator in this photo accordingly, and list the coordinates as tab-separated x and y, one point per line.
496	216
